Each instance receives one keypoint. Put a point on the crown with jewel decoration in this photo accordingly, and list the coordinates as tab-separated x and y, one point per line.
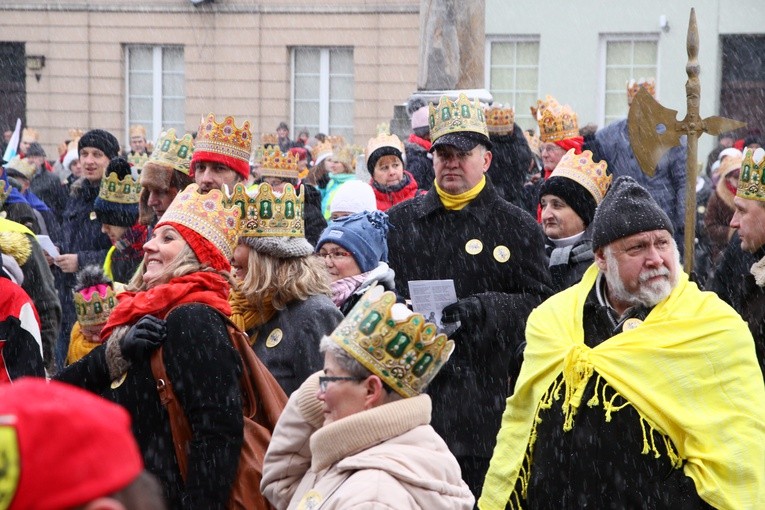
593	177
345	154
225	138
274	163
137	130
751	181
120	191
265	213
174	152
321	151
499	120
456	117
649	84
395	344
556	122
383	140
336	140
269	139
211	215
96	310
137	160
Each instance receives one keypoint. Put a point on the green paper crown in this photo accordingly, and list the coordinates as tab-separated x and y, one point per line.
751	183
450	117
173	152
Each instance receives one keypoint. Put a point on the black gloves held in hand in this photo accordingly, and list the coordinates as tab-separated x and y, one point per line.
143	338
468	311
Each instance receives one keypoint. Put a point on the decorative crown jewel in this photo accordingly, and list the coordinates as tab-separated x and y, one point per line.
96	310
137	160
383	140
593	177
120	191
556	122
500	120
269	139
266	213
224	138
649	84
751	182
405	352
210	215
174	152
275	163
455	117
321	149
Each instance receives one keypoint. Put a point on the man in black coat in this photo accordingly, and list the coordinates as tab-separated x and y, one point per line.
461	229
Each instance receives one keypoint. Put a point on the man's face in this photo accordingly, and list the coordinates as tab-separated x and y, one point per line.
25	143
137	143
641	269
559	220
282	133
551	155
210	175
159	199
459	171
93	162
749	219
37	161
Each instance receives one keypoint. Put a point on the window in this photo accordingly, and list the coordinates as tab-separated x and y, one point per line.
624	58
322	90
155	89
513	76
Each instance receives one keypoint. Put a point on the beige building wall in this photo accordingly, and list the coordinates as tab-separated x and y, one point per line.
236	52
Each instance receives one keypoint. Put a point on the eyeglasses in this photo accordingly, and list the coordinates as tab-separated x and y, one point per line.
325	380
333	255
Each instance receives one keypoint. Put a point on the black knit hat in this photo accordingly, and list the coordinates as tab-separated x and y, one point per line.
574	194
111	212
627	209
102	140
386	150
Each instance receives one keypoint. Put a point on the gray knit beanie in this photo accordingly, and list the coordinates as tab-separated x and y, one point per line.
280	247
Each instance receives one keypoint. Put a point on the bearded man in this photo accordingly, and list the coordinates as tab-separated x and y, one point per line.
673	393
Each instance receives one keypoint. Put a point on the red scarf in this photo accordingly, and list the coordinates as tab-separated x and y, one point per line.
200	287
425	144
575	142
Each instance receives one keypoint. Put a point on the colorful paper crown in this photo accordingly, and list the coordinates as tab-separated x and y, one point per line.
649	84
455	117
225	138
23	165
500	120
137	160
336	140
210	215
405	352
138	130
269	139
321	150
751	181
96	310
274	163
120	191
174	152
556	122
590	175
345	155
381	141
265	213
533	141
383	128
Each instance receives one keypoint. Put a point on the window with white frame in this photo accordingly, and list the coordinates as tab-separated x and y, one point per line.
513	76
625	58
322	90
155	89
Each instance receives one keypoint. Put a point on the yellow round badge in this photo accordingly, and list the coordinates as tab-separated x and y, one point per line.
93	216
274	338
312	499
501	253
474	247
631	324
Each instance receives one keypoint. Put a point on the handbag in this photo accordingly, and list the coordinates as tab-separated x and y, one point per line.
262	402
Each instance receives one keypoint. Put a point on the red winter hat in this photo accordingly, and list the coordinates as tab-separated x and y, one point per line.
65	446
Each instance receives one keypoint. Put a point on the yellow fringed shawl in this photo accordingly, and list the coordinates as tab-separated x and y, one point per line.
689	370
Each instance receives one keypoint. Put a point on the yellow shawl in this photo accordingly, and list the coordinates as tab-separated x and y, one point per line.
690	370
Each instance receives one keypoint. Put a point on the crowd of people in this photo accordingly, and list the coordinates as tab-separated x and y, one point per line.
130	275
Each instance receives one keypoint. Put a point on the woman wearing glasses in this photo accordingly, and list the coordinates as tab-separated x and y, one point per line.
355	250
358	434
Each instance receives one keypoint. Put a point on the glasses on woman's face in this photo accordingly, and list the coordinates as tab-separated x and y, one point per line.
334	254
325	380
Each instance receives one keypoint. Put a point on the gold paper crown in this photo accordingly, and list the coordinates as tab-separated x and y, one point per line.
267	214
224	138
174	152
138	130
336	140
138	160
275	163
5	190
210	215
120	191
383	140
383	128
96	310
321	149
456	117
580	168
23	165
500	120
533	141
30	134
345	155
406	354
269	139
649	84
556	122
751	182
257	154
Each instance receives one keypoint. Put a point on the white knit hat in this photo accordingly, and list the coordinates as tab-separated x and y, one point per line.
353	197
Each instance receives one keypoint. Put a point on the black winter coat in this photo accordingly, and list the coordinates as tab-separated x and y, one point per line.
314	219
420	165
49	189
509	165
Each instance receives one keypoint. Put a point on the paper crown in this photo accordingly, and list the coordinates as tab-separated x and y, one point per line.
274	163
264	213
455	117
751	181
120	191
30	134
269	139
137	130
500	120
345	155
96	310
23	165
406	353
321	150
336	140
533	141
580	168
211	215
649	84
556	122
137	160
225	138
383	140
173	152
5	190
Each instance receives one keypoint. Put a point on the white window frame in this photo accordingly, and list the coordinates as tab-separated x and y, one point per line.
522	109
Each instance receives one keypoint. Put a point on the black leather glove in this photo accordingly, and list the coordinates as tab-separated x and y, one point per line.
468	311
143	338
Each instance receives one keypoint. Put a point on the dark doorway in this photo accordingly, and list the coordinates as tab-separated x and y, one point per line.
742	92
13	94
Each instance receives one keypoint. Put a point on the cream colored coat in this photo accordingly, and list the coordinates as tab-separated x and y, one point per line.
386	457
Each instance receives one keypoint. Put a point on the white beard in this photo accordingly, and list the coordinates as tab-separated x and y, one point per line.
649	294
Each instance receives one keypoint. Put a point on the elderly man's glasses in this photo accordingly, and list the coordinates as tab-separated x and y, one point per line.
325	380
333	255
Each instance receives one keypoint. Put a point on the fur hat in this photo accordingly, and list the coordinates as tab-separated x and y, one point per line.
364	235
279	247
627	209
101	140
113	207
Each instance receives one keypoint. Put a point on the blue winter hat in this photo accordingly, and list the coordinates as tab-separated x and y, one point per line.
364	235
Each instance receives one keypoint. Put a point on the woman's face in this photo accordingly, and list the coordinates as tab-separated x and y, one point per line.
163	247
340	263
388	171
241	261
342	398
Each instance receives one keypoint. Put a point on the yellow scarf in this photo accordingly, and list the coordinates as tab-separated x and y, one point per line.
79	346
689	370
458	202
244	314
